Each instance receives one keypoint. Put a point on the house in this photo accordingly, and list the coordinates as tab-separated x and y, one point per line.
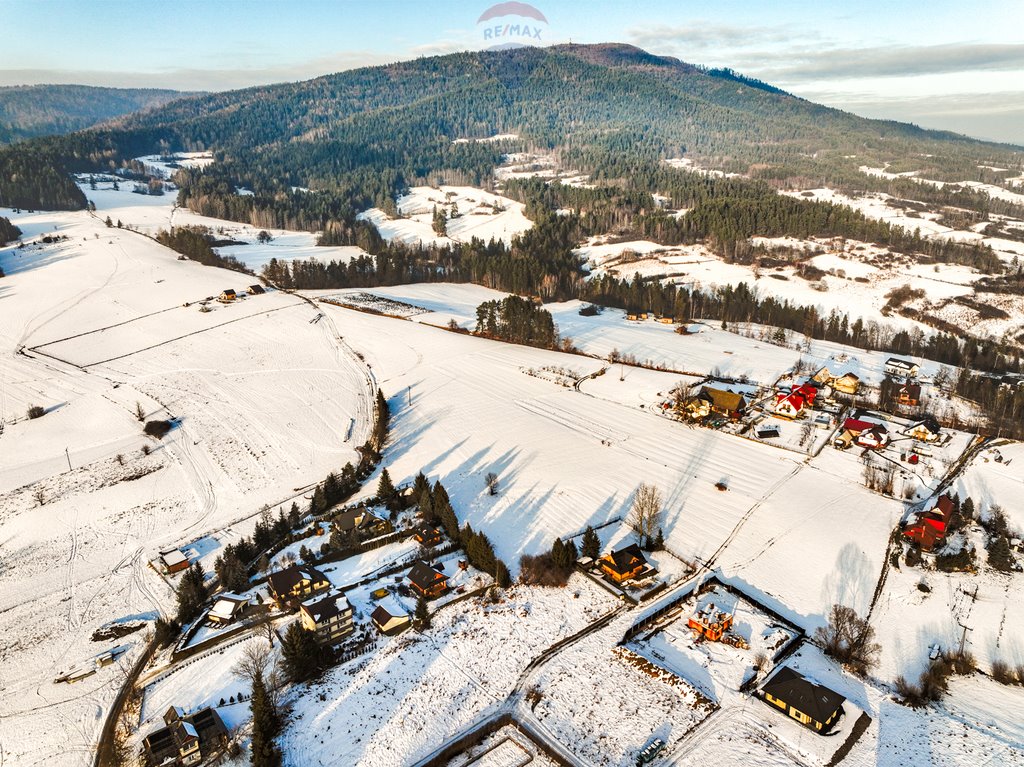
174	561
329	617
666	319
623	564
928	529
428	535
227	295
295	583
389	620
809	703
897	368
428	580
227	608
789	405
925	430
847	383
186	739
721	401
909	394
360	521
256	290
863	433
874	438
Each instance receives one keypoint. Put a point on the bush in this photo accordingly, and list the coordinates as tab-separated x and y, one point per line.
1002	672
540	570
36	411
158	429
958	561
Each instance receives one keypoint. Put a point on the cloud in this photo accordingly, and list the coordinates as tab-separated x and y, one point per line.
703	35
888	61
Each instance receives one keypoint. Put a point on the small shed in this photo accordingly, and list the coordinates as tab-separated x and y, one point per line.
173	560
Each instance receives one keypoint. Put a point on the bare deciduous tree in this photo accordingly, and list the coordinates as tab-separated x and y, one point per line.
254	662
491	480
39	495
645	515
140	414
849	639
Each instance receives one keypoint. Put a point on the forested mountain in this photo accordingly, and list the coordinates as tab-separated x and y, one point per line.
27	111
360	136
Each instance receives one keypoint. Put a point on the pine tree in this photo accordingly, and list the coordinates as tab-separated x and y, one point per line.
591	543
501	576
427	511
294	516
967	509
266	723
301	654
386	489
571	553
421	485
558	554
422	615
191	593
659	541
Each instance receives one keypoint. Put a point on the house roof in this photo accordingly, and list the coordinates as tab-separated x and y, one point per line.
628	558
229	292
911	390
802	694
424	576
287	579
943	508
857	425
928	423
173	557
722	399
358	517
226	605
324	609
383	614
797	401
256	289
895	362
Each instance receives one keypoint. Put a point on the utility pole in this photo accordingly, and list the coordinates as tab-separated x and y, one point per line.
408	391
68	456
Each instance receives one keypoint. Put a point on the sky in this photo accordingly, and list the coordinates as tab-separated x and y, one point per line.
940	64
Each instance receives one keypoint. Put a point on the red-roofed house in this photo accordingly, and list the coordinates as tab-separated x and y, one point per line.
931	526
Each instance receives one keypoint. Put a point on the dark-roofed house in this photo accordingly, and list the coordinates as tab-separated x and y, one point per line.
186	740
256	290
727	403
360	520
898	368
925	430
389	620
227	295
428	580
929	528
810	704
227	607
428	535
296	583
329	617
623	564
909	394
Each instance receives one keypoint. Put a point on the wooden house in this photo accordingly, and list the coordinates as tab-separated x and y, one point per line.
361	521
789	405
428	580
925	430
811	704
329	617
727	403
847	383
296	583
710	623
256	290
863	433
428	536
928	529
173	560
623	564
909	394
389	620
227	296
186	739
227	607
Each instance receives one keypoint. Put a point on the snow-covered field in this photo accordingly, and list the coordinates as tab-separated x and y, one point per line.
470	213
264	398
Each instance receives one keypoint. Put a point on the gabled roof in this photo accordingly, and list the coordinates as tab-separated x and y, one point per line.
424	576
228	292
383	614
857	425
723	400
173	557
928	423
796	401
896	362
802	694
321	610
628	558
911	390
285	580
